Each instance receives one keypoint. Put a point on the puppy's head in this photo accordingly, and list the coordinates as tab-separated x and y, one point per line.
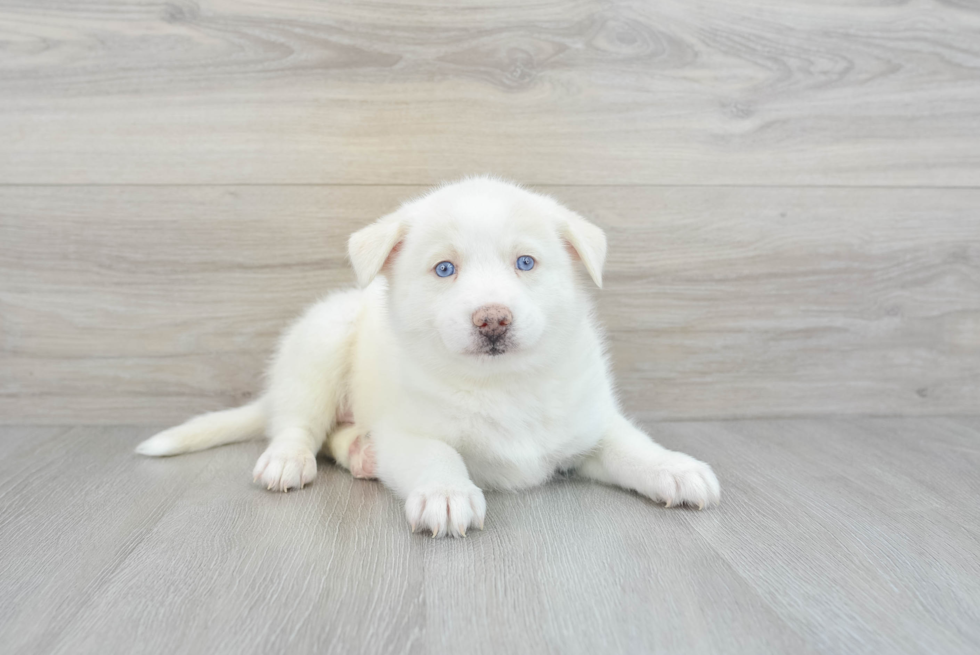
481	270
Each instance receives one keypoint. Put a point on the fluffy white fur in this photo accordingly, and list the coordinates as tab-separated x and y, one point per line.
399	381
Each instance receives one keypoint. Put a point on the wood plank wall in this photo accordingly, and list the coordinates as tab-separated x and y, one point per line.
791	189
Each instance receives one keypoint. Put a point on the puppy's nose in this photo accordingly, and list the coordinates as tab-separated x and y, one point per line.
492	320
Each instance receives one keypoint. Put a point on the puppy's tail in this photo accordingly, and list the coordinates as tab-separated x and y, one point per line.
208	430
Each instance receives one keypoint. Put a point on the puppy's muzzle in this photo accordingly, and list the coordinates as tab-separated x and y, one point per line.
492	321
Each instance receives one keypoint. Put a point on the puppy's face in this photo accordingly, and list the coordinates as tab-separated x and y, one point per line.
481	270
487	278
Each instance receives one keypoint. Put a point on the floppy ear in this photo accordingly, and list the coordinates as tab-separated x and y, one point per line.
369	247
588	241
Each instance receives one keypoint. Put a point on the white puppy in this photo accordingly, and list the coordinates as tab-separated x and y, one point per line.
470	359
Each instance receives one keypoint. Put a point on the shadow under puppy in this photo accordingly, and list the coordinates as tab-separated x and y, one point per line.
470	358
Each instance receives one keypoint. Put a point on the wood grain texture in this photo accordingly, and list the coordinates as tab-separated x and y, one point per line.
576	92
791	192
878	495
73	505
153	303
833	536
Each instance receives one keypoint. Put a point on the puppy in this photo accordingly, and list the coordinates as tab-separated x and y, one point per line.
469	359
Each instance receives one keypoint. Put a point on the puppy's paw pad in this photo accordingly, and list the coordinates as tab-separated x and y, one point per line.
446	509
682	480
285	467
361	456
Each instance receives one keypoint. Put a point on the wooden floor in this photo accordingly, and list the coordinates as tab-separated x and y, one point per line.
834	536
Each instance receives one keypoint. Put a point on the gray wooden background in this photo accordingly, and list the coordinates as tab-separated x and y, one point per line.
791	189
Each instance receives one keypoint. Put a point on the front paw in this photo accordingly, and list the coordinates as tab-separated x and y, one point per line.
680	479
285	466
446	509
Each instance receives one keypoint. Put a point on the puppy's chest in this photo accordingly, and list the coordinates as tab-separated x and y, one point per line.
512	443
508	430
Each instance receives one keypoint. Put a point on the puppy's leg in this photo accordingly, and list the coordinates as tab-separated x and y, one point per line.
431	476
628	457
290	460
306	386
350	448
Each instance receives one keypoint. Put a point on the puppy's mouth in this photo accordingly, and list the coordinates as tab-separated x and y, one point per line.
492	346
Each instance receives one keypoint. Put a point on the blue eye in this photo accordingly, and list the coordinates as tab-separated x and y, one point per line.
445	269
525	262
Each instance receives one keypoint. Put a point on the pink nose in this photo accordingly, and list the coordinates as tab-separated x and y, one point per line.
492	320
